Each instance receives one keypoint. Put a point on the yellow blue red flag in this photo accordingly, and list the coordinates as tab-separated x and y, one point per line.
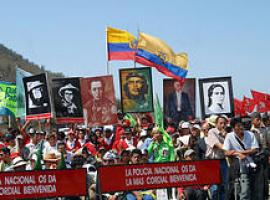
152	51
121	44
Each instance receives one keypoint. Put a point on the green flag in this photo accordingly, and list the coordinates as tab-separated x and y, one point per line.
38	165
159	122
158	114
62	164
131	119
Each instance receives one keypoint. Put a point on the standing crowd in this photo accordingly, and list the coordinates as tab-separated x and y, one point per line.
241	145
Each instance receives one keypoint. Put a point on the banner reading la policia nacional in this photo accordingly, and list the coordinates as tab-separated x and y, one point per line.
158	175
41	184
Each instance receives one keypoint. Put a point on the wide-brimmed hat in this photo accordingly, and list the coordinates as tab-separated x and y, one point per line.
51	157
18	162
67	87
35	84
212	120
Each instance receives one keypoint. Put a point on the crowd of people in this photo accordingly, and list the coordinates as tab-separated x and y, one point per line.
241	145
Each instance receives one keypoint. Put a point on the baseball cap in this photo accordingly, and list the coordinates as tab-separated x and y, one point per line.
196	126
185	125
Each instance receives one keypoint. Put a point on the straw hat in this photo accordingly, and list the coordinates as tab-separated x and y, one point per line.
51	157
212	120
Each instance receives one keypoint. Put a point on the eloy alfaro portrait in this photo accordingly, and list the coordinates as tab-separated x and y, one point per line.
136	90
216	96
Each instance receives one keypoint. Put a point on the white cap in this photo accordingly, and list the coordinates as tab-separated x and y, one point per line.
197	126
143	133
185	125
108	127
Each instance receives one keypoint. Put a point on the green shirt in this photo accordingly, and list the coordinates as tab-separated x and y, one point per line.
162	152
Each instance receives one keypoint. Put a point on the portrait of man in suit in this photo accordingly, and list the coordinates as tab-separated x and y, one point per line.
177	101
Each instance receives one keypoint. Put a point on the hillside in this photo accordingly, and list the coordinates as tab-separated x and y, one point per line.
10	59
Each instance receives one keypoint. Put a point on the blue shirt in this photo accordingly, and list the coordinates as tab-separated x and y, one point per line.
249	141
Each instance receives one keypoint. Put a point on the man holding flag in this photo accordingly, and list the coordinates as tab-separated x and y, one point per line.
161	147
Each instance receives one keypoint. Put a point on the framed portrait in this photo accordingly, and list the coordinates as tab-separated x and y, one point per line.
37	97
136	90
179	100
99	103
66	94
216	95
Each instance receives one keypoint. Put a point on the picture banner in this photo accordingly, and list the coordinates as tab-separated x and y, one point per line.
179	100
216	95
38	101
99	102
66	95
136	90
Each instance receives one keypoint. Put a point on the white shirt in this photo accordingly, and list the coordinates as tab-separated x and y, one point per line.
178	99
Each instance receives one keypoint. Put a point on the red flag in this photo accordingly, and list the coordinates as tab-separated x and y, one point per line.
248	104
262	101
238	108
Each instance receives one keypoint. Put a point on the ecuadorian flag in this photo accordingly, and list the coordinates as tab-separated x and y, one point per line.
153	52
121	44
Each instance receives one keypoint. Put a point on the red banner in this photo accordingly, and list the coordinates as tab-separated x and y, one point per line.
159	175
41	184
38	116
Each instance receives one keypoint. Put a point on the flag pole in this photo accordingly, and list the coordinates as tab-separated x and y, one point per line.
107	56
138	35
